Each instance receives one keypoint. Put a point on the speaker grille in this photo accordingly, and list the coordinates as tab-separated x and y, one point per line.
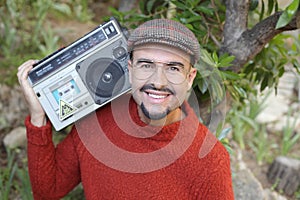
105	77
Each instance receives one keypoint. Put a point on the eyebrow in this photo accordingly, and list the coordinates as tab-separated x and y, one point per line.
171	63
144	60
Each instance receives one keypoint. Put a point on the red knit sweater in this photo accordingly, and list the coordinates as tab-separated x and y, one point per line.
197	167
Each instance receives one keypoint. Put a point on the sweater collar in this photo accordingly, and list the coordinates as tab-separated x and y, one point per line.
137	128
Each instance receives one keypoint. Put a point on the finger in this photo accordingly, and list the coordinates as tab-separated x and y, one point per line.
24	69
22	77
26	64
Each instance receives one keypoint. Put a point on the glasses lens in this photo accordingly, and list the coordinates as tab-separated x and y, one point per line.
175	74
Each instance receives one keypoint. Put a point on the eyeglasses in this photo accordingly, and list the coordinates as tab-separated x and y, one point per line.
174	71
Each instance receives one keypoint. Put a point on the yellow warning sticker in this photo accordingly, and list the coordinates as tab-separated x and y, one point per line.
65	109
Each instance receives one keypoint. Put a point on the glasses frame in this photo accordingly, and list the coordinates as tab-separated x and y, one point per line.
163	64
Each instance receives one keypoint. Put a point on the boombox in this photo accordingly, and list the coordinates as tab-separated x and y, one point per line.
83	76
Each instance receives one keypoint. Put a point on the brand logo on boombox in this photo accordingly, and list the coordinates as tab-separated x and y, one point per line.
85	75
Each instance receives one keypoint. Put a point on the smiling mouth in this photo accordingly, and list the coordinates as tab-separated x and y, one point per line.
154	93
156	96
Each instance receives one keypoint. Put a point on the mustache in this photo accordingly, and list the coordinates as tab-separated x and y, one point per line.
152	87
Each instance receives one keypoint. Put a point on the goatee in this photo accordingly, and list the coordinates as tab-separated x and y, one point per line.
156	116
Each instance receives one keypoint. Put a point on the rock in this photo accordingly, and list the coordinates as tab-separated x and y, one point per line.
272	195
247	187
275	108
278	105
279	126
16	138
13	109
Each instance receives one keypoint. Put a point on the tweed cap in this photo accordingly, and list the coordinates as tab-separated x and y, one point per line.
165	31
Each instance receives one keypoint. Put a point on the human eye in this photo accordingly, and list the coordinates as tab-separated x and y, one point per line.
173	68
146	65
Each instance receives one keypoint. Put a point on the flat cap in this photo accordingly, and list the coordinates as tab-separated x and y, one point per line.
165	31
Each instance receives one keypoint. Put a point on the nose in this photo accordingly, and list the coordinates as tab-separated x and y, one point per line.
159	78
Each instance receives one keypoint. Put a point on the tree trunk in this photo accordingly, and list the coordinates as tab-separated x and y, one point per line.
284	173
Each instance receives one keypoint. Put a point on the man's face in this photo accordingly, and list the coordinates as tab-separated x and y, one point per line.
160	76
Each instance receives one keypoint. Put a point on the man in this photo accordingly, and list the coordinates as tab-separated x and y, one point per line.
147	145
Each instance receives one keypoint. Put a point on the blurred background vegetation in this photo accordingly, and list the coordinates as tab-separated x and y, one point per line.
35	28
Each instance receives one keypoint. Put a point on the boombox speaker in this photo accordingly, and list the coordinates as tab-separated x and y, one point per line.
105	73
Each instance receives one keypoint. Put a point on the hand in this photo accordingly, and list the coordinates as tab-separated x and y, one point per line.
37	114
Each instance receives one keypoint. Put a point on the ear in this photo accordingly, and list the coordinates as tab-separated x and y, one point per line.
130	70
191	77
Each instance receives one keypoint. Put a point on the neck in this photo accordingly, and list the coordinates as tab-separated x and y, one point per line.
174	116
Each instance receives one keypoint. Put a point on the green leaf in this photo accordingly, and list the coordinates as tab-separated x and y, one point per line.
292	8
230	75
206	58
215	57
288	14
142	6
202	85
217	90
189	26
296	65
205	10
262	11
241	91
283	20
193	19
63	8
270	6
226	61
264	83
249	121
150	5
179	5
253	5
205	73
224	133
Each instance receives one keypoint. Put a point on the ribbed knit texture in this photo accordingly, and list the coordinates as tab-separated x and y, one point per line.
165	31
55	171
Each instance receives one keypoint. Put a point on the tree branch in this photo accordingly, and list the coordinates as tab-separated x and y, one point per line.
251	42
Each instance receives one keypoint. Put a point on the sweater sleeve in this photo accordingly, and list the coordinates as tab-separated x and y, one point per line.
54	171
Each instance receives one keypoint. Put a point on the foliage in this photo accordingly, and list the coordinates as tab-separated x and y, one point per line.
243	120
222	134
14	179
262	145
15	182
289	136
25	33
211	78
266	72
7	175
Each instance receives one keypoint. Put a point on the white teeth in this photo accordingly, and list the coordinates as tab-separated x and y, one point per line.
157	96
